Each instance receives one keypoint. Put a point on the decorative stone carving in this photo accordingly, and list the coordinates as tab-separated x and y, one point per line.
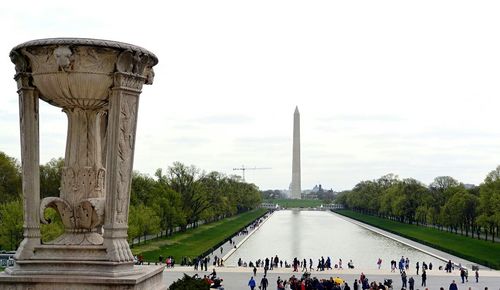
97	84
19	60
63	58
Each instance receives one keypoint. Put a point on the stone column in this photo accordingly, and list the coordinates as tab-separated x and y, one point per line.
122	121
30	156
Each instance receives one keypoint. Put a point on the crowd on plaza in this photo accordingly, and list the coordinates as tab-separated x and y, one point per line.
308	283
323	264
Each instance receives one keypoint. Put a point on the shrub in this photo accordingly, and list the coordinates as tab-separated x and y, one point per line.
189	283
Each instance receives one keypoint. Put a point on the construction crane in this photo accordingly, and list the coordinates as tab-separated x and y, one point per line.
243	169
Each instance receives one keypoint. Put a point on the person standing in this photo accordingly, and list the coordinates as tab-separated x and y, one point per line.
411	282
254	271
355	285
403	279
477	275
453	286
263	283
424	278
251	283
279	284
418	267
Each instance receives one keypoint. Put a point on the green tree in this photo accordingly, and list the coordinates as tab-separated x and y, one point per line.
167	204
489	204
143	221
50	177
54	228
184	180
11	224
10	178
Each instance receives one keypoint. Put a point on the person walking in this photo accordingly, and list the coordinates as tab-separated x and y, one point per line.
453	286
424	278
477	275
251	283
263	283
254	271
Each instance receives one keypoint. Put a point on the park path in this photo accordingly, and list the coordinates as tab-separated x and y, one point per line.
227	248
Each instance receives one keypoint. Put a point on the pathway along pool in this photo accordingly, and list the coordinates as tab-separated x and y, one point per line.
312	234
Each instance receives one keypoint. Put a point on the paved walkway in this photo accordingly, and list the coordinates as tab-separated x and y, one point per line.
227	249
236	278
426	249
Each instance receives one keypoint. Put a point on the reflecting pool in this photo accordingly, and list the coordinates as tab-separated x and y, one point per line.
312	234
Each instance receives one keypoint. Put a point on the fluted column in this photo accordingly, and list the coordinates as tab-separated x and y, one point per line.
122	122
30	156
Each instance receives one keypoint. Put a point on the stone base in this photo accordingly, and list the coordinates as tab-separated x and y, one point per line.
143	278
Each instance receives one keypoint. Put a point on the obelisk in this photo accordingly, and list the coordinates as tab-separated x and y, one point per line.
296	187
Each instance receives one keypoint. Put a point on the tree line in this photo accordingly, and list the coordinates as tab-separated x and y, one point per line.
176	199
446	203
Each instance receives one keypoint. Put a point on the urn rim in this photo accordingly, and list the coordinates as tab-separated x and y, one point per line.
87	42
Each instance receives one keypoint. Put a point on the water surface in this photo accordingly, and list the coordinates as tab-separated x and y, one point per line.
312	234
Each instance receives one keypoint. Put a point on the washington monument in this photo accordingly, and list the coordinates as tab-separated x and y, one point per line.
296	187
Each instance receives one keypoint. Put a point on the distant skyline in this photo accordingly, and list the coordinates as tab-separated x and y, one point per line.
410	88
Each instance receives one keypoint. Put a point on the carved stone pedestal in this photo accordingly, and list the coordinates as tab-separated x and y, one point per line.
97	84
142	278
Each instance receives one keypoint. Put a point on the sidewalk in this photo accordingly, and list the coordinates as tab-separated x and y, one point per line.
236	278
227	249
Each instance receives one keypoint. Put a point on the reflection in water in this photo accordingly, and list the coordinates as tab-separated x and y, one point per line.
312	234
295	242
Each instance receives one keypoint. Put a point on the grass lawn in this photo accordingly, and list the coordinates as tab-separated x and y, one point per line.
1	269
483	252
195	242
289	203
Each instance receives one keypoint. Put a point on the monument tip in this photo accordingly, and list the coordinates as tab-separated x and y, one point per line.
296	109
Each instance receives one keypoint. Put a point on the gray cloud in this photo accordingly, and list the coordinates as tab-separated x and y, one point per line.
362	118
223	119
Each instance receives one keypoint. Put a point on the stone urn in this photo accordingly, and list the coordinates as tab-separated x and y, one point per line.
97	84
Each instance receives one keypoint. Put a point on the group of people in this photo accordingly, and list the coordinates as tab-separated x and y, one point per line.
212	280
306	282
302	264
303	283
323	264
409	283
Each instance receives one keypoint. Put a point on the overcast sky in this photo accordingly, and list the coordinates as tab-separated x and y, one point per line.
404	87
